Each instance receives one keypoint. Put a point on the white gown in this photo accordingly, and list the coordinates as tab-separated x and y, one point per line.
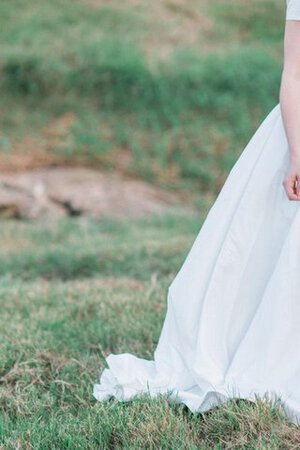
232	327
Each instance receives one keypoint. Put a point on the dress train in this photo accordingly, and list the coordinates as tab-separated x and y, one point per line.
232	326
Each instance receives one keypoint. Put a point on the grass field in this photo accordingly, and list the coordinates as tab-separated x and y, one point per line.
95	287
105	83
168	91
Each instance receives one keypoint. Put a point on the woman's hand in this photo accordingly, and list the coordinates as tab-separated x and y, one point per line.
291	182
290	106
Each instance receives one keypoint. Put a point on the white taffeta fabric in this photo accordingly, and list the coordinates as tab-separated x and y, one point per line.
232	327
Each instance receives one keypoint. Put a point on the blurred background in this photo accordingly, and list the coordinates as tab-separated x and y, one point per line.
167	92
119	122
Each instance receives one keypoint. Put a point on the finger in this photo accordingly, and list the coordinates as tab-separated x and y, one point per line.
297	186
292	194
294	187
289	186
292	184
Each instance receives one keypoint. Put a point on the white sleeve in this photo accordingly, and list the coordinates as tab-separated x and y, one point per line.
293	10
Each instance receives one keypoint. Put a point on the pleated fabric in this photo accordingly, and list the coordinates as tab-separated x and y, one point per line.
232	326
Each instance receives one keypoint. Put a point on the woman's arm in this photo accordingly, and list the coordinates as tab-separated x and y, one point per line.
290	105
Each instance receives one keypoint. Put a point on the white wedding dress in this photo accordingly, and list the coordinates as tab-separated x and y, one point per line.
232	328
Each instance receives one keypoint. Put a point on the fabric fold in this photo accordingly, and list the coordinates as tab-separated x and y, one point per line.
232	324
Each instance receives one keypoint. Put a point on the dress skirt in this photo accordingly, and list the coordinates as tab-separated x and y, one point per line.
232	326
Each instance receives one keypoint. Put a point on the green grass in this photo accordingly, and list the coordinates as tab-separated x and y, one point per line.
56	331
172	101
95	252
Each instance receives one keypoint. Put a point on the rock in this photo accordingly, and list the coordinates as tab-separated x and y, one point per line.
57	192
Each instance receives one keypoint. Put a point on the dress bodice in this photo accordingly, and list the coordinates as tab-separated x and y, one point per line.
293	10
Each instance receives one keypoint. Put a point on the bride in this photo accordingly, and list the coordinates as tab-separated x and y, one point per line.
232	326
